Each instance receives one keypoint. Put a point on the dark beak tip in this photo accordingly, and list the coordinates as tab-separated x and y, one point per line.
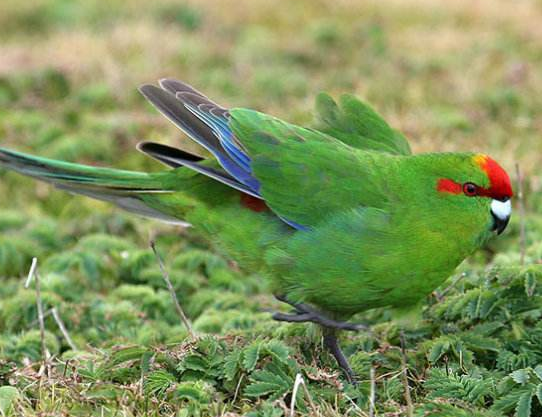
499	225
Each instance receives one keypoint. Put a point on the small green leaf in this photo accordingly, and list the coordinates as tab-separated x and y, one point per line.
271	381
278	350
530	284
478	342
440	348
507	403
8	395
127	354
158	382
195	363
523	409
231	364
146	361
192	391
104	392
539	393
521	376
251	355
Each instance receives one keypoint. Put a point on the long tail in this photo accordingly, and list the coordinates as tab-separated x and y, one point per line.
122	188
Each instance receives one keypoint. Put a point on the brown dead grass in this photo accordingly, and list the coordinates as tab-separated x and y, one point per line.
466	36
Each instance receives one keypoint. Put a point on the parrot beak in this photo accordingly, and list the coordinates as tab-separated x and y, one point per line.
501	211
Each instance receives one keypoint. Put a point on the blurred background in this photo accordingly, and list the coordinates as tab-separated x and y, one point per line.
452	75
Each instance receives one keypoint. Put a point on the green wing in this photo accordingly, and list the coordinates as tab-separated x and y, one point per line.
358	125
304	174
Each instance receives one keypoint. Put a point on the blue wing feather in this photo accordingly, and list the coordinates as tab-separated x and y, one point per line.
219	125
208	125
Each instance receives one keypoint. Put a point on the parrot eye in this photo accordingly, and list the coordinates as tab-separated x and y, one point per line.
470	189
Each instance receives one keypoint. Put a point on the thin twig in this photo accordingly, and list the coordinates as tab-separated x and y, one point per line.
178	307
33	273
521	202
46	314
408	398
309	398
299	381
440	296
354	405
63	329
372	395
238	386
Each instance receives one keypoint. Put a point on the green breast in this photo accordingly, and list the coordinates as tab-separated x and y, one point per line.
367	258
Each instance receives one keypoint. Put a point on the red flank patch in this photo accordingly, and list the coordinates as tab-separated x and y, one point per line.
253	203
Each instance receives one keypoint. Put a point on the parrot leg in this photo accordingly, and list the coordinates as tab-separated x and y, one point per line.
305	313
332	344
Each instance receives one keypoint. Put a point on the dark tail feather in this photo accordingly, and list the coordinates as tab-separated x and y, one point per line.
168	155
176	158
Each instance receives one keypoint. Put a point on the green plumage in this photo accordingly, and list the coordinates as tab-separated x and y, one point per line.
373	229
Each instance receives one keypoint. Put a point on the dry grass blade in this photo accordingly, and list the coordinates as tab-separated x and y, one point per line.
521	202
299	381
33	274
372	395
63	329
171	290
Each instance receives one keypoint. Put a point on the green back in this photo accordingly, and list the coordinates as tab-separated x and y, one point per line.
305	174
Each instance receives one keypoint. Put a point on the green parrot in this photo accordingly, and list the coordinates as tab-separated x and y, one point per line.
342	218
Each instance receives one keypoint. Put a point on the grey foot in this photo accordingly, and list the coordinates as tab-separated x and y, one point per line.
305	313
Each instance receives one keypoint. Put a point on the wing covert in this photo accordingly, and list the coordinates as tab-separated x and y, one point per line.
304	174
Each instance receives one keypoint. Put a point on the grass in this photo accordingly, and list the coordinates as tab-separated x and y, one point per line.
459	75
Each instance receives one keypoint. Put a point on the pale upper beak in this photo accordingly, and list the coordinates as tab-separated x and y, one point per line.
501	211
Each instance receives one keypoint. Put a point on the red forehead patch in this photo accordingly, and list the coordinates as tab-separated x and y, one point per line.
500	186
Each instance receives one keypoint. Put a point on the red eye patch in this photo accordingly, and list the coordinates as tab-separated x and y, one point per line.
448	186
499	189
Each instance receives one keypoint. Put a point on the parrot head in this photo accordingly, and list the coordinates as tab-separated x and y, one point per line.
478	182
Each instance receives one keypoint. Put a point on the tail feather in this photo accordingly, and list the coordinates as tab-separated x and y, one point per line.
59	172
120	187
176	158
